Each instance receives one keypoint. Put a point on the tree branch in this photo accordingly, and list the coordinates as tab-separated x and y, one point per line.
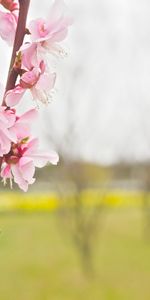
20	33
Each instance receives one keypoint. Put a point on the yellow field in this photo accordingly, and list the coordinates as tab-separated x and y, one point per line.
12	201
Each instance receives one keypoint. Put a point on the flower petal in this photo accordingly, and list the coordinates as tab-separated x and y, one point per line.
13	97
40	159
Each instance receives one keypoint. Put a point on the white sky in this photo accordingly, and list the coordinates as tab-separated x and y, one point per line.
103	89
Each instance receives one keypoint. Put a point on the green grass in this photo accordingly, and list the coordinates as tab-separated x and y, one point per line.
38	260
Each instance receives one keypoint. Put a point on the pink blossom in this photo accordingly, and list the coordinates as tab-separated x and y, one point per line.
21	161
13	128
53	30
7	120
19	151
8	24
38	80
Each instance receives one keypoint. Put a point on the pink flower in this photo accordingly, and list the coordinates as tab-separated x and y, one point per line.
21	161
13	128
8	24
38	80
52	31
7	120
22	155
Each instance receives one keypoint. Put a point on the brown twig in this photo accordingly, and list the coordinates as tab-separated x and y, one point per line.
20	33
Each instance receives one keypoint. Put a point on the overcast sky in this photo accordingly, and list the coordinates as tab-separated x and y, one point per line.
102	97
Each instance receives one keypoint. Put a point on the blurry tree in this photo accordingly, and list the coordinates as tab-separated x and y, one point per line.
81	221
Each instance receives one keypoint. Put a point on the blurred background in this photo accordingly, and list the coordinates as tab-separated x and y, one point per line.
83	229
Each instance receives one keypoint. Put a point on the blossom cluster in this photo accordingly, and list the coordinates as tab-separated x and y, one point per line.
19	152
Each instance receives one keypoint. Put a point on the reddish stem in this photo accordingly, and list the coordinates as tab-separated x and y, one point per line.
20	33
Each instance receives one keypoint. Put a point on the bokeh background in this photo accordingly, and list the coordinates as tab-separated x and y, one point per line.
83	229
